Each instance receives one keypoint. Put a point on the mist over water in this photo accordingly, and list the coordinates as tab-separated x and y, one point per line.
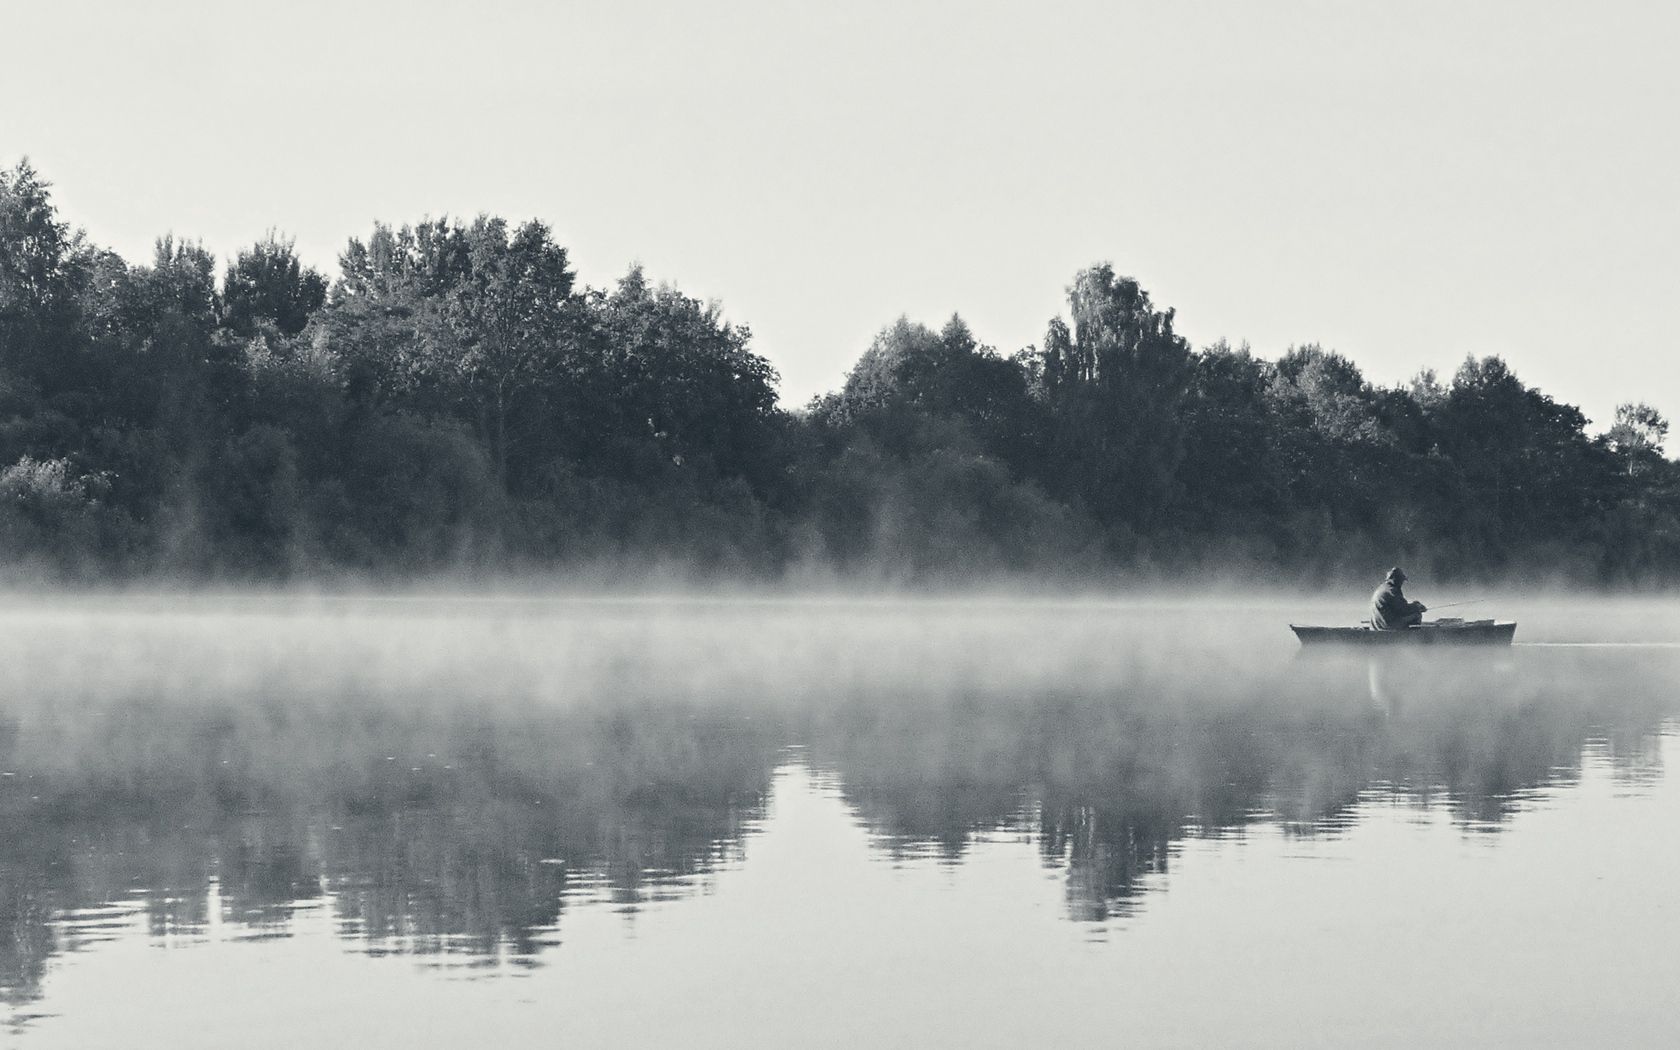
775	821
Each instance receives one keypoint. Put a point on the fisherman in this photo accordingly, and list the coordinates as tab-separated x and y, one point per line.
1390	611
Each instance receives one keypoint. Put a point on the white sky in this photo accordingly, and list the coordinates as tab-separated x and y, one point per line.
1404	182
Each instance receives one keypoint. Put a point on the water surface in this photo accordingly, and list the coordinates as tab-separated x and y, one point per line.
829	823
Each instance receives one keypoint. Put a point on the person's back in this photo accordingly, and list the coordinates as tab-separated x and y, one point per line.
1390	611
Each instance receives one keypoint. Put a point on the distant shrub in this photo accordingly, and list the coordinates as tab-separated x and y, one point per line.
49	518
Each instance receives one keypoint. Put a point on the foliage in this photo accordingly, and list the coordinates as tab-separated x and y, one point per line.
1638	436
1114	385
267	283
51	519
455	401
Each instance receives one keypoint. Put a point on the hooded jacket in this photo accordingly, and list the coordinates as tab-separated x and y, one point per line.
1389	608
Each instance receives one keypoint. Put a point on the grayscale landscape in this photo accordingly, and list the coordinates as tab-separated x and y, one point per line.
762	525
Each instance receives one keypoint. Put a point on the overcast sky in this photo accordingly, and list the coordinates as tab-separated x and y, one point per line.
1407	183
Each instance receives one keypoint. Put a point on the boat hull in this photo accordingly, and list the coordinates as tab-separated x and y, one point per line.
1487	632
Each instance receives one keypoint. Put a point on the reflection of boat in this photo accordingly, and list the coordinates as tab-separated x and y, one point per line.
1436	632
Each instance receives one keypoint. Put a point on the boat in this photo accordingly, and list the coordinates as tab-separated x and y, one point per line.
1435	632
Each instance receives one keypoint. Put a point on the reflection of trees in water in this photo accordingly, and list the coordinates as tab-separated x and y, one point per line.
1111	782
439	823
435	826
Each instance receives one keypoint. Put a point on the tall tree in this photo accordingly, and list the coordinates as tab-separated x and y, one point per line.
1324	391
268	283
688	388
450	317
911	372
1527	469
509	316
43	269
1231	471
1638	435
1115	383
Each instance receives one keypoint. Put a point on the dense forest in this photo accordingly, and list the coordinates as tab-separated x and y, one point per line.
455	402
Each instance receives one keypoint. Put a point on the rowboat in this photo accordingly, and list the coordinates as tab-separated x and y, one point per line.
1436	632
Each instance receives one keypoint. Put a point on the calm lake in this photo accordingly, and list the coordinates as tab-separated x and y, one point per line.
779	823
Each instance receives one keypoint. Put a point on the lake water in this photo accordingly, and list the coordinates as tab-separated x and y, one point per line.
757	823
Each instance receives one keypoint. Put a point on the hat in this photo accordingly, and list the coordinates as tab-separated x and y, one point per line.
1397	574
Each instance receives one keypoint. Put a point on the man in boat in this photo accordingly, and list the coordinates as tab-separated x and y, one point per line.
1390	611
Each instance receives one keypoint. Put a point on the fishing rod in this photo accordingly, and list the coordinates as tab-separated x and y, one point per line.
1454	605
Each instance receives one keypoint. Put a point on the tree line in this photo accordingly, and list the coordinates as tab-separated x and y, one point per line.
455	401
